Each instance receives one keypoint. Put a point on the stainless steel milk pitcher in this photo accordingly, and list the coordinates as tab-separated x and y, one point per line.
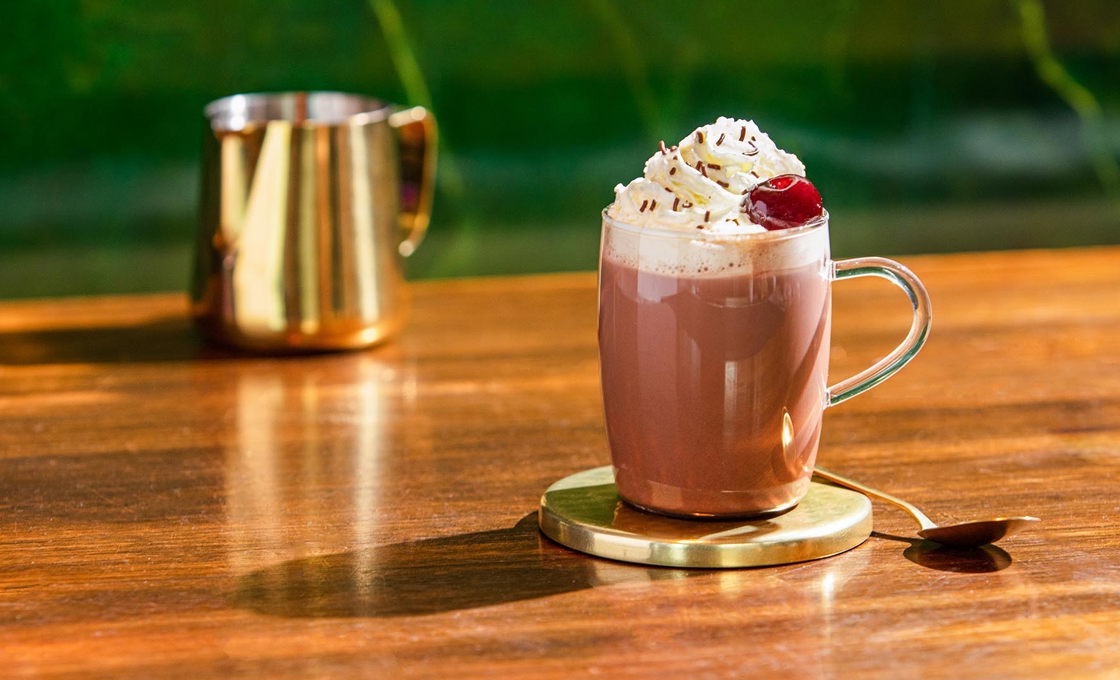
308	202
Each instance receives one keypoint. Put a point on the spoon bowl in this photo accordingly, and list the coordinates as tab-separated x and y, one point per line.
962	535
977	532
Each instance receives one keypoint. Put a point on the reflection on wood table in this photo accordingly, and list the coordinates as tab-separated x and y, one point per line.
172	510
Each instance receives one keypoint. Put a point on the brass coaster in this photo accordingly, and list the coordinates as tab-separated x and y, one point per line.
583	512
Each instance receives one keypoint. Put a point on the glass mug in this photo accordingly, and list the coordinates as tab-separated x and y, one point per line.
714	357
308	202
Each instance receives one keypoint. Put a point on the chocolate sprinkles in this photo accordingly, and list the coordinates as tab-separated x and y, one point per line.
720	140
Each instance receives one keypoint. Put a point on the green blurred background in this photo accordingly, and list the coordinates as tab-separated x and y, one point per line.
928	126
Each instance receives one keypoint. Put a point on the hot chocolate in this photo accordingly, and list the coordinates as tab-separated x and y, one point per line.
714	319
714	374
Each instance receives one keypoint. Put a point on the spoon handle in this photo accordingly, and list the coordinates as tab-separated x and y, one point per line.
828	475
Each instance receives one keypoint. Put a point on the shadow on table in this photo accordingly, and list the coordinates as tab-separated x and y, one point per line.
980	560
171	339
434	575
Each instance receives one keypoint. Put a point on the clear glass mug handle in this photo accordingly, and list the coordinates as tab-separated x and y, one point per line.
919	327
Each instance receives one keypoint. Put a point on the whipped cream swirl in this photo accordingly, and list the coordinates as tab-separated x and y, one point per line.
700	183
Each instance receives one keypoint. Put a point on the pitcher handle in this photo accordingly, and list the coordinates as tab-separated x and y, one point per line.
919	327
417	136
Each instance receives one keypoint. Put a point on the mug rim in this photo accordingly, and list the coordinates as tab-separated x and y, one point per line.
243	110
704	235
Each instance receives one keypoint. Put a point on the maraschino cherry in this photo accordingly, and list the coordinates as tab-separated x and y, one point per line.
784	202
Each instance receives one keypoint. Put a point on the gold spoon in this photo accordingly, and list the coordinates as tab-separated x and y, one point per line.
963	535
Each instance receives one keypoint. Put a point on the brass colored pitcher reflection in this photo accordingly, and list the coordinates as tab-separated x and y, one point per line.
308	202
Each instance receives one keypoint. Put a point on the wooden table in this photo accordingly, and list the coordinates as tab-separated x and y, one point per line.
168	510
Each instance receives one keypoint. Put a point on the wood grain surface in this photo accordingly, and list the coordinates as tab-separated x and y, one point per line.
168	510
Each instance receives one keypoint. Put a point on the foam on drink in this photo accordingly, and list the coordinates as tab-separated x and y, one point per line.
698	186
711	254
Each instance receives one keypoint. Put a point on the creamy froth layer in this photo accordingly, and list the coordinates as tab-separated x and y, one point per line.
696	254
